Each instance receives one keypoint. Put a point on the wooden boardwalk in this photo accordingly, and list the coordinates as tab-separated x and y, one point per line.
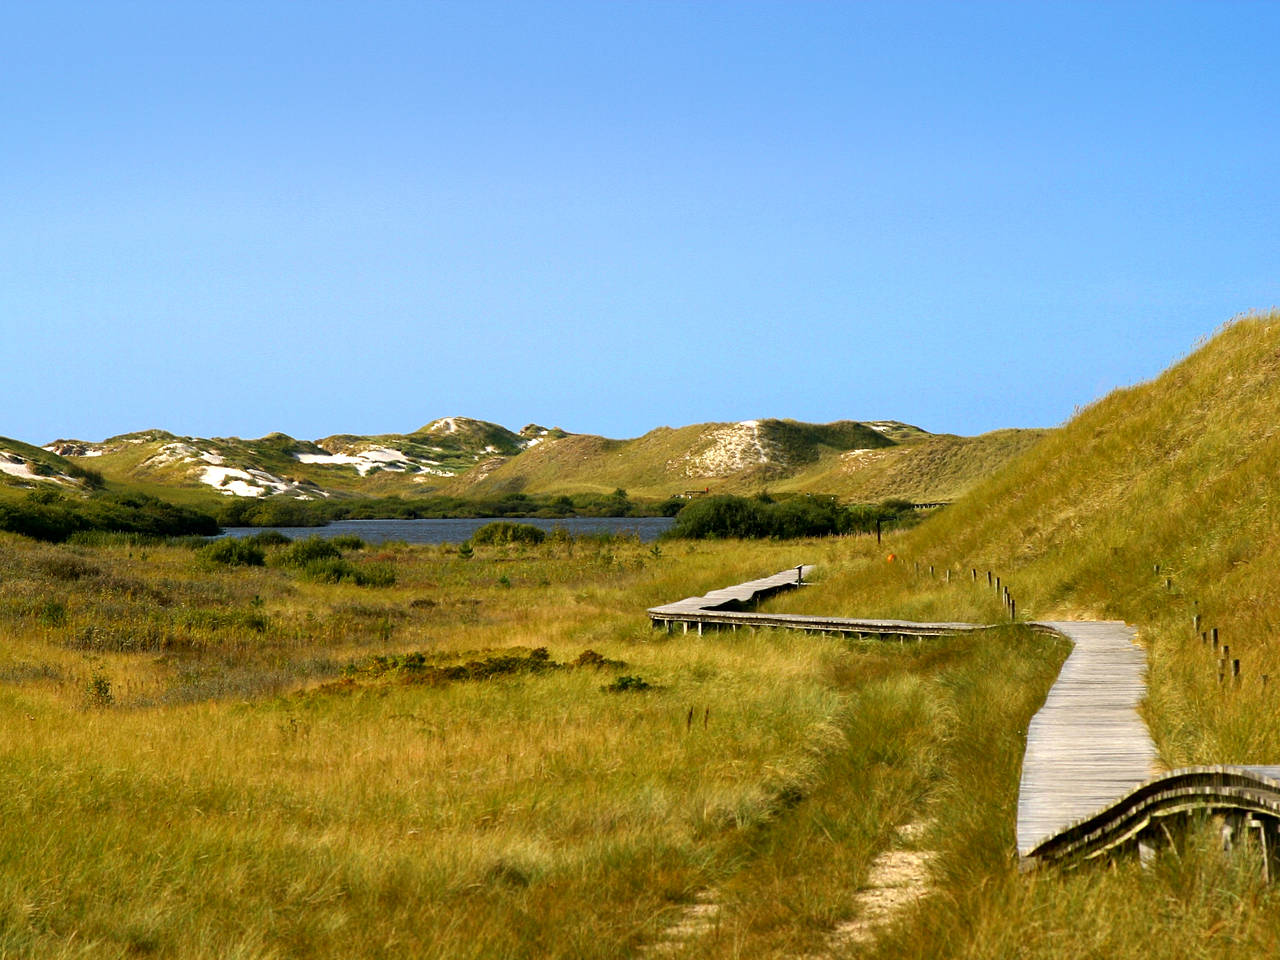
1087	746
1090	780
728	608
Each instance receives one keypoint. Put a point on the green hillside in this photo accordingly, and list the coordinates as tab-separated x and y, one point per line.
857	461
24	467
1155	504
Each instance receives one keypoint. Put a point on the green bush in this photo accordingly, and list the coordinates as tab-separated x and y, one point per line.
337	570
722	516
269	538
327	570
234	552
503	531
762	516
348	541
303	552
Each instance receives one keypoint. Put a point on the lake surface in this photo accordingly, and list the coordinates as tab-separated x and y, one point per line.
647	529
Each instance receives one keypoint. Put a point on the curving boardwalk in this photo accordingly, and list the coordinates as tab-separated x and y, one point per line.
1090	783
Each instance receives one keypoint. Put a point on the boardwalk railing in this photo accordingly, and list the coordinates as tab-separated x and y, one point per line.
1089	783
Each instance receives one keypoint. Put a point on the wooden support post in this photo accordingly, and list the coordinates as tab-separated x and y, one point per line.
800	575
948	574
1168	583
1214	632
1195	623
1265	678
1222	669
1156	567
931	570
1235	671
997	584
1204	637
988	578
1013	609
974	571
877	531
699	628
1226	651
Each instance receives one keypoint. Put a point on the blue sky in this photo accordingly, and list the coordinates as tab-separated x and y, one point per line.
231	218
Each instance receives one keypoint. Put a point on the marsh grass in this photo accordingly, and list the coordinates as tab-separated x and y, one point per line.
187	783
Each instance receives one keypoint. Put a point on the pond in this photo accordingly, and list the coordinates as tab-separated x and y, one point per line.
647	529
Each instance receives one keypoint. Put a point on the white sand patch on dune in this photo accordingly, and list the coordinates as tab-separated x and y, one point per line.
362	460
729	449
431	472
172	453
242	483
15	466
444	425
74	448
330	458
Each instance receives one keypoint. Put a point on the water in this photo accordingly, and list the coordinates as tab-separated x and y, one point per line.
456	531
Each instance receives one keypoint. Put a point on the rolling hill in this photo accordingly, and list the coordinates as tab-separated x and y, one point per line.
463	457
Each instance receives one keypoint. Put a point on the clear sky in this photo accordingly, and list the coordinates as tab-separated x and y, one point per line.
231	218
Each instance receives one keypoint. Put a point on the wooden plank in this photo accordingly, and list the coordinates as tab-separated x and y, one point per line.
1087	746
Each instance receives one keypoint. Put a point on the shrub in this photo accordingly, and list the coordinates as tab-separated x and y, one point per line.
269	538
234	552
327	570
627	684
761	516
721	516
348	541
304	552
376	575
337	570
503	531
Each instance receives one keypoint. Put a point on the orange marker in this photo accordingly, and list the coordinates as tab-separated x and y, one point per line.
891	557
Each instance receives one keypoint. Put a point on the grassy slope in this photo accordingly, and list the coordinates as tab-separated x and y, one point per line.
1179	472
923	467
936	468
12	487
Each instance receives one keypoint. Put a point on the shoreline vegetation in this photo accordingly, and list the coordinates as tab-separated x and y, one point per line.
55	517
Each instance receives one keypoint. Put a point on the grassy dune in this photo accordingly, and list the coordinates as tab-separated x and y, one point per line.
1153	505
849	460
